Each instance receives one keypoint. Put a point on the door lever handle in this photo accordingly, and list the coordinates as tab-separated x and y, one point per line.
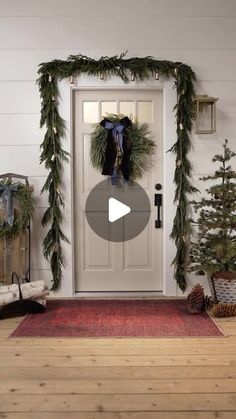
158	204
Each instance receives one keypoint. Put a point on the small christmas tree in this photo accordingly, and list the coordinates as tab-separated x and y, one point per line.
215	249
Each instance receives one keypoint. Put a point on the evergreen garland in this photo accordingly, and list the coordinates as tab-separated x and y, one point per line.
141	151
52	153
22	194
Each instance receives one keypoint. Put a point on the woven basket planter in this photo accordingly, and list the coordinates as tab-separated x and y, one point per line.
223	286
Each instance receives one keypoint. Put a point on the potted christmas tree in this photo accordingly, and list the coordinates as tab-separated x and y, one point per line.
214	252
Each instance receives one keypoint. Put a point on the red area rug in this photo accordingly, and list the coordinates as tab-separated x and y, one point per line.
116	318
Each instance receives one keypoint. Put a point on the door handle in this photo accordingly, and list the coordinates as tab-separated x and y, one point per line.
158	204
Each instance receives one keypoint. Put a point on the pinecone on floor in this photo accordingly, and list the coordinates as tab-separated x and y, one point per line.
195	300
223	310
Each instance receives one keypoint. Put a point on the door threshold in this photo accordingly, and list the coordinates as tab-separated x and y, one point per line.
120	294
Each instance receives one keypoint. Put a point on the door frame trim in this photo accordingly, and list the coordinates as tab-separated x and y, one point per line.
102	294
169	136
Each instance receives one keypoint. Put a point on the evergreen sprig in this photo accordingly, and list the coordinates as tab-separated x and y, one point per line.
52	153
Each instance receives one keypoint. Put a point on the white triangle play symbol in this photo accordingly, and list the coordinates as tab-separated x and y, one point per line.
116	209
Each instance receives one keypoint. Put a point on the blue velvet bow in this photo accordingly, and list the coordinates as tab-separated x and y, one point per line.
117	134
7	196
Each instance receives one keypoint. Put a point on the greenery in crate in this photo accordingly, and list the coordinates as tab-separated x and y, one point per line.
215	249
25	202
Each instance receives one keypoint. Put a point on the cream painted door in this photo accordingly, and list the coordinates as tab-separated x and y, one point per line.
134	265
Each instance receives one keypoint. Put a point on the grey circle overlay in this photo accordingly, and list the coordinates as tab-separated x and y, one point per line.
127	227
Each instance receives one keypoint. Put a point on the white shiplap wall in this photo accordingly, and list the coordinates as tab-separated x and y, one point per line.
201	33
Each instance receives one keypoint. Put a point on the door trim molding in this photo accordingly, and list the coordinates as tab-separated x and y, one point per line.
101	294
169	137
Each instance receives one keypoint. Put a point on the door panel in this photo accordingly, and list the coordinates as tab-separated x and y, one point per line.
134	256
100	265
93	259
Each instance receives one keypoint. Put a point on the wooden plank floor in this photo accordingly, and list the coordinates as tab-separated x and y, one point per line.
183	378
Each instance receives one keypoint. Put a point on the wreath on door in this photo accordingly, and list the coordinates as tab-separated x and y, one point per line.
121	146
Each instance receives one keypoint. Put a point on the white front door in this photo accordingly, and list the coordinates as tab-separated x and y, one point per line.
100	265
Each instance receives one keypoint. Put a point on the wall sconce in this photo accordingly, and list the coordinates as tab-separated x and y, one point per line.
205	114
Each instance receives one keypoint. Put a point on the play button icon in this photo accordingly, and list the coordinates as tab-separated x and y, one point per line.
117	210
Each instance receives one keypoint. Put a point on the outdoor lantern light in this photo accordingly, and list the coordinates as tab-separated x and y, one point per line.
205	114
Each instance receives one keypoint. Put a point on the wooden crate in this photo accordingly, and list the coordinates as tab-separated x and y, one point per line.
14	256
1	261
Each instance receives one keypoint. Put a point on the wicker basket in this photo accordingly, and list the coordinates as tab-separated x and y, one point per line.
223	287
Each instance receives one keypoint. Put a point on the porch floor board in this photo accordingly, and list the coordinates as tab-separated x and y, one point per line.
182	378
